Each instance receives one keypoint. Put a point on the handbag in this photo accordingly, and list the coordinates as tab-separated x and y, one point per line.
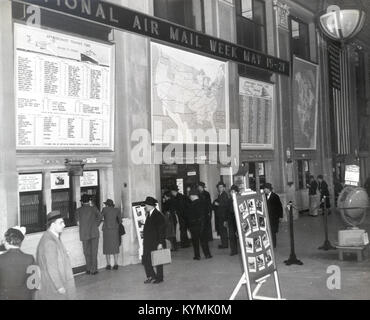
161	257
121	229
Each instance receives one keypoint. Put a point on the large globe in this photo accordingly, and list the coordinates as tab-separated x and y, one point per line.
352	204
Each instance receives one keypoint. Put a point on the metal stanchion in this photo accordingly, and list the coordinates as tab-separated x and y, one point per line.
292	258
327	245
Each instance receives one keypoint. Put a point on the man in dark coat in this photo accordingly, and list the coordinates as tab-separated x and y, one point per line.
231	224
221	206
324	191
197	225
88	219
205	197
275	210
15	267
154	239
179	205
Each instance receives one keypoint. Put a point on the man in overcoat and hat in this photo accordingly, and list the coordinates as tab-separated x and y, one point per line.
154	239
275	210
205	198
57	282
88	219
221	207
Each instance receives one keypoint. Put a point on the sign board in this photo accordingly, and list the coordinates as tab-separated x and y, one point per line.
59	180
352	175
30	182
180	185
109	14
89	179
64	91
139	214
255	239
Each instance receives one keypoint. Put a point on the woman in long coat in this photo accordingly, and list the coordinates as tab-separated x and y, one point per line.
112	219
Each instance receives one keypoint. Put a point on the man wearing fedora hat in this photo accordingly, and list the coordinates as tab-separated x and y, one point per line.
205	198
57	282
275	210
221	207
88	219
180	203
154	239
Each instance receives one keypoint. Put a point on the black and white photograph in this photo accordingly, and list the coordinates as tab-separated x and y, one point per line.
251	206
257	244
261	262
246	228
265	240
262	222
249	243
268	257
252	264
254	222
156	148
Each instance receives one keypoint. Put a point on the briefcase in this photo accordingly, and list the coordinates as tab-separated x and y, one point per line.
160	257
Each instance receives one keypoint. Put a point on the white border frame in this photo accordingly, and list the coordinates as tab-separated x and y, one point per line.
249	146
317	67
227	100
112	48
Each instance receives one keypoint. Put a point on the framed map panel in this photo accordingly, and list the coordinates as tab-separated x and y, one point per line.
190	97
305	102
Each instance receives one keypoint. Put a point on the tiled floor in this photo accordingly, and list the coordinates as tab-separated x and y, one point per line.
216	278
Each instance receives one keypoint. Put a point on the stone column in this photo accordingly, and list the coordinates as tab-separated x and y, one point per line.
8	171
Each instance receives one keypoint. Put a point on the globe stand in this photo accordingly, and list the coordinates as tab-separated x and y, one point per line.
292	258
327	245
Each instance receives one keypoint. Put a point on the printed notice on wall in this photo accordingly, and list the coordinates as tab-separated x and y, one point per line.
30	182
63	91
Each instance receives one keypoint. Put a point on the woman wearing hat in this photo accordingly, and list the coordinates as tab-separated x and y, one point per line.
112	219
14	265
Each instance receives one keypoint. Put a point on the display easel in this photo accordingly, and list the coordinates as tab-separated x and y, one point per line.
258	278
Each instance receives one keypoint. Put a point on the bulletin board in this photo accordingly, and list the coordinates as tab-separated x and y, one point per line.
138	212
255	240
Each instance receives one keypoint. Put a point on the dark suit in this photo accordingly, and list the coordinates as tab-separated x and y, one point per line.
275	210
197	225
89	219
13	275
154	234
221	213
324	191
231	223
205	197
179	205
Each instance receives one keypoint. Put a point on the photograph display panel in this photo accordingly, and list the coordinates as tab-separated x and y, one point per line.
255	235
64	91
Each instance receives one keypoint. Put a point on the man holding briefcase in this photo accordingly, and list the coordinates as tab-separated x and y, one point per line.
154	239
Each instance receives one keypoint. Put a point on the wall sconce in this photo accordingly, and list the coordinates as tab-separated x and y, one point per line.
75	167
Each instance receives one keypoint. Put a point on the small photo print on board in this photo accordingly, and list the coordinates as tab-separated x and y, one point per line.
261	262
138	211
141	224
252	264
253	221
249	244
268	256
252	206
257	244
265	240
141	234
246	227
259	204
262	223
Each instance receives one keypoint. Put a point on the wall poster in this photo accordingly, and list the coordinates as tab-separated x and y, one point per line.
59	180
257	114
189	92
28	182
64	91
305	103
